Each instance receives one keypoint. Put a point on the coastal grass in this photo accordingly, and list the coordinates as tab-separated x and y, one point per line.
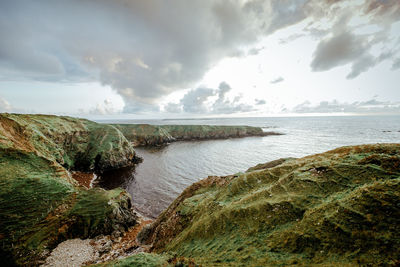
336	208
140	259
41	205
155	135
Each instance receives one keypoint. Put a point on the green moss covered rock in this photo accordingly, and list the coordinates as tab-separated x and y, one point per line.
333	209
154	135
40	204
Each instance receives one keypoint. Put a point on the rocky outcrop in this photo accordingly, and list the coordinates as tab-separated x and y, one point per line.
156	135
40	204
332	209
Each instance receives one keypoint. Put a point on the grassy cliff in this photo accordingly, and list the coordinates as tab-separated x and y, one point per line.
333	209
152	135
40	204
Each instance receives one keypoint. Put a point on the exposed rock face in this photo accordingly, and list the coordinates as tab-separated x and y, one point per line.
40	204
335	208
155	135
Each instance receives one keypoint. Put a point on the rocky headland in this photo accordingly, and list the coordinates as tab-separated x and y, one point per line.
157	135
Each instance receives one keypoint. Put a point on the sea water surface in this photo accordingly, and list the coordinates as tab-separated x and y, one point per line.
165	172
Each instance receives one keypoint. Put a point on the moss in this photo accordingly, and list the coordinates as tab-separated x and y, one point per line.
141	259
335	208
40	204
153	135
70	142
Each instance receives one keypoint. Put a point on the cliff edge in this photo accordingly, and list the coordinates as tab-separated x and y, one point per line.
338	208
156	135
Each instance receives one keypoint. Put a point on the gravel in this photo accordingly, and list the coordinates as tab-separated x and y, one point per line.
71	253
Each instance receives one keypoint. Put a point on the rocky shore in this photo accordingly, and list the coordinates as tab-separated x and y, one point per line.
158	135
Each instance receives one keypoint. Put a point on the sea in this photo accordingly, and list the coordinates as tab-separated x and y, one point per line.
166	171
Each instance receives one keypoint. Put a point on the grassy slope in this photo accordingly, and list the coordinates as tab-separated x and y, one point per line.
145	134
336	208
40	204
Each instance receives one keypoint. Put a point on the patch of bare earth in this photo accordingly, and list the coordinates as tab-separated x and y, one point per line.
83	178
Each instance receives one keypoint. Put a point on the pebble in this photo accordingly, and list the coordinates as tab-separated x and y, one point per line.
71	253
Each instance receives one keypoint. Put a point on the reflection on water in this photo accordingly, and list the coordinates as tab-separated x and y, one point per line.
166	172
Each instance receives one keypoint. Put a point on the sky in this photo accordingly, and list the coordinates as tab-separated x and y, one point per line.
163	59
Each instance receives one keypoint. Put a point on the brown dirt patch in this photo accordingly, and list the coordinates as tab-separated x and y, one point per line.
83	178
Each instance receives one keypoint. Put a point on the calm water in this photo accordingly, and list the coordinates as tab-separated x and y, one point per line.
165	172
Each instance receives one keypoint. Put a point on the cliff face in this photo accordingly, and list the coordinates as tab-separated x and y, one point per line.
335	208
40	204
153	135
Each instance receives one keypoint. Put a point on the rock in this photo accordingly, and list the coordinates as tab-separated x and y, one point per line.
41	205
74	252
157	135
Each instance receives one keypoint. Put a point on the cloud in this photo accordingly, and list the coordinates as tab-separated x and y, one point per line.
147	49
347	48
346	44
204	100
338	50
396	64
277	80
5	106
104	108
143	49
195	100
370	106
255	51
173	108
260	102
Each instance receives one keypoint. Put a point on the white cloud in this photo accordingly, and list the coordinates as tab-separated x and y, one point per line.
277	80
104	108
209	101
365	107
5	106
146	50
